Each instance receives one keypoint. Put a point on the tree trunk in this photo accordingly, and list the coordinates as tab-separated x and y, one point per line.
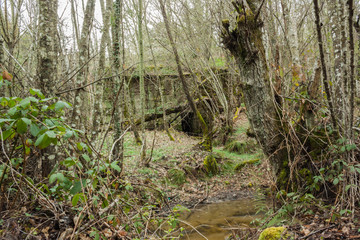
47	70
47	52
118	141
245	44
141	81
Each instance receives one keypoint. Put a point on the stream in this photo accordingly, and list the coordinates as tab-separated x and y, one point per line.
215	220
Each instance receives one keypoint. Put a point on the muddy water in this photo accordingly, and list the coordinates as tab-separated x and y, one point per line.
215	220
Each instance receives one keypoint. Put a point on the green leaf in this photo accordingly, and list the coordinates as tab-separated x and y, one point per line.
114	166
25	103
60	105
57	176
290	194
86	157
6	120
7	134
81	146
12	111
336	181
26	120
342	149
21	127
34	129
43	141
77	186
69	162
49	123
75	200
350	147
44	108
68	134
51	134
32	99
37	92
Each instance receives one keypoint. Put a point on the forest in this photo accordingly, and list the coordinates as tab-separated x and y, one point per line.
179	119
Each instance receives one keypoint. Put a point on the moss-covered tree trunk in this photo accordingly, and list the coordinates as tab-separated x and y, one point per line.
245	44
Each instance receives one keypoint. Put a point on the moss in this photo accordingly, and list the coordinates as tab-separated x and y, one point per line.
211	165
273	233
241	165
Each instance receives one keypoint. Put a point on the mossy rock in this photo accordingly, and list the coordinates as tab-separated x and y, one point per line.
241	165
176	176
210	165
240	147
273	233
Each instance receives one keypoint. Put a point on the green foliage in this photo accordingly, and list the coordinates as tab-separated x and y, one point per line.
177	176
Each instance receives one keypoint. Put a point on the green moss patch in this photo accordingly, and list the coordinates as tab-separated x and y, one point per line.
273	233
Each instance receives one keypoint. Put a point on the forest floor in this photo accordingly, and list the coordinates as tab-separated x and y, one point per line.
177	176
